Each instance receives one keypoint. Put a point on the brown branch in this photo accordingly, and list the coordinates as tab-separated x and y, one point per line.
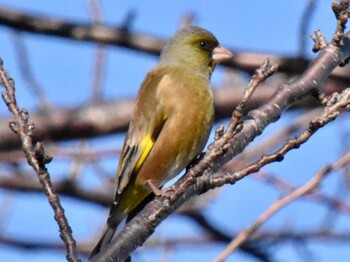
27	72
272	142
289	235
30	244
105	198
255	248
336	204
34	245
100	54
81	32
63	188
94	120
329	115
304	26
143	225
311	185
119	36
272	237
341	12
84	122
263	127
37	159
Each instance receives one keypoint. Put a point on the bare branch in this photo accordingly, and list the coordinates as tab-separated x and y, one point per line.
280	203
26	71
149	44
145	222
94	120
100	54
304	26
336	204
81	32
341	12
64	188
37	158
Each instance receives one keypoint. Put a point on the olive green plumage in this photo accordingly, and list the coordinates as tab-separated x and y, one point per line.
170	123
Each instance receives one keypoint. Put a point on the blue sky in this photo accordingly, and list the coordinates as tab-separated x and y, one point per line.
64	67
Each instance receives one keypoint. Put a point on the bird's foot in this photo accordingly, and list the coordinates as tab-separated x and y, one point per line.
167	193
154	188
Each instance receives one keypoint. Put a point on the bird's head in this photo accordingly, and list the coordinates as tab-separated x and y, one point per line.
196	48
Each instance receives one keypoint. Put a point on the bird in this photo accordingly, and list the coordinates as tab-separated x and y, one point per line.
170	124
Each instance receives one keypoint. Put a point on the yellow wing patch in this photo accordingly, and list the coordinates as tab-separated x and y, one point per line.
145	146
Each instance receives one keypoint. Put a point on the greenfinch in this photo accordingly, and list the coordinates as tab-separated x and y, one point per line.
170	124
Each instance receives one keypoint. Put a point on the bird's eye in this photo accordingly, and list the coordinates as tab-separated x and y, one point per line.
202	43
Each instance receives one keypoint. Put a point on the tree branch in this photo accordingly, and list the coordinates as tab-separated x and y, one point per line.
94	120
119	36
37	159
199	179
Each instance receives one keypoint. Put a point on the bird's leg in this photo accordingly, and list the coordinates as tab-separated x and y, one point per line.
168	192
154	188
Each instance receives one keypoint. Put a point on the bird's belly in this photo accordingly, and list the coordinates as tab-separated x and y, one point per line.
173	152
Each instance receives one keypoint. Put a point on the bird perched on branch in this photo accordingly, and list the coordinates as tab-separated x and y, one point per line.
170	123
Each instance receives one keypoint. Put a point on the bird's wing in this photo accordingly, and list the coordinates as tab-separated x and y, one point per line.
147	122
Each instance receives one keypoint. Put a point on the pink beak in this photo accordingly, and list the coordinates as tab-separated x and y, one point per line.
221	54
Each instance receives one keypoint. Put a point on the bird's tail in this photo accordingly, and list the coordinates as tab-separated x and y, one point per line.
115	217
106	237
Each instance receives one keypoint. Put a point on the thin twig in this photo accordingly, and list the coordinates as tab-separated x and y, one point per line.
27	73
111	35
332	203
336	102
37	158
199	179
276	138
341	12
308	13
100	54
279	204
